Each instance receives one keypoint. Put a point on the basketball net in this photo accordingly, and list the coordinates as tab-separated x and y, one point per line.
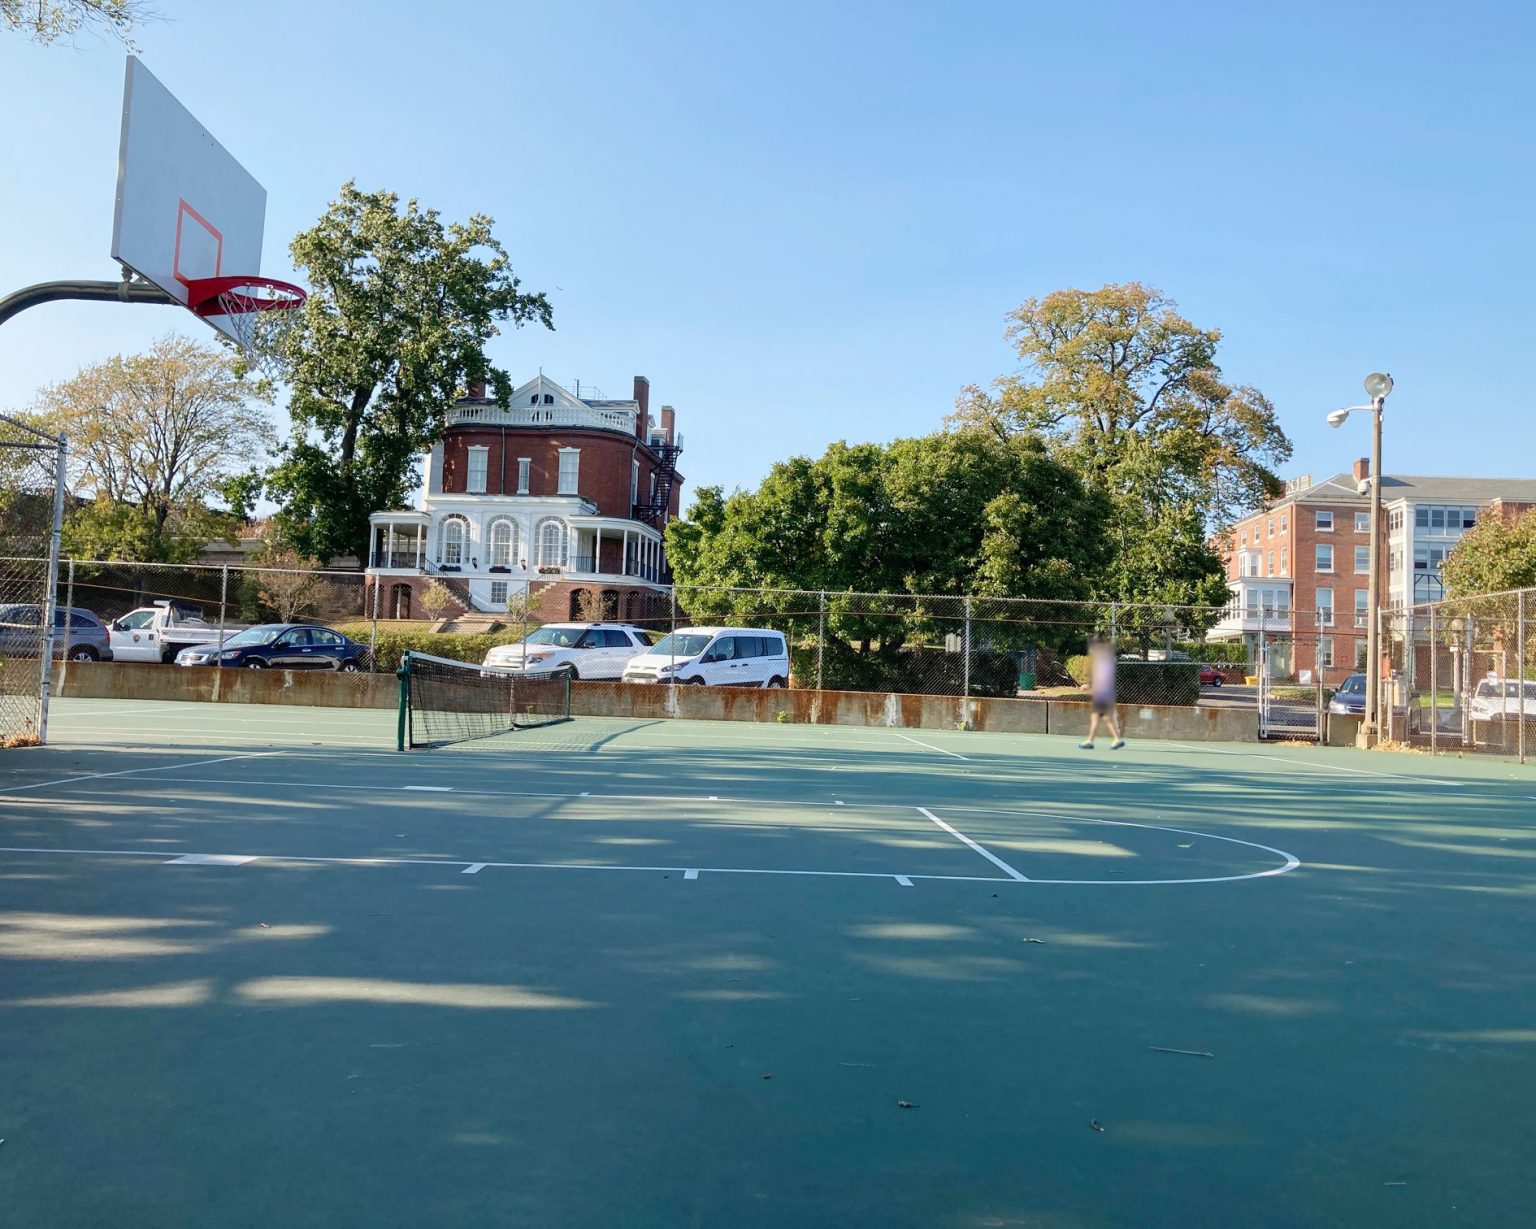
258	313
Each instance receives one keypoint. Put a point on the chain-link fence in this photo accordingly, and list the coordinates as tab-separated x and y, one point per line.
1460	674
31	466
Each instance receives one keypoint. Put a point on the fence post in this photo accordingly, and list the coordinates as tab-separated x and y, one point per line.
373	634
821	635
1114	642
223	602
967	644
69	621
1525	716
1434	684
51	594
527	606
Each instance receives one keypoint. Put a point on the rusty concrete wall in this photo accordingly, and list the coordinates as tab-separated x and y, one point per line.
324	689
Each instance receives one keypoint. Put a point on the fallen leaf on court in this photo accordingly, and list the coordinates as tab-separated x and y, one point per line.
264	926
1191	845
767	1075
907	1105
1096	1125
1034	940
1191	1053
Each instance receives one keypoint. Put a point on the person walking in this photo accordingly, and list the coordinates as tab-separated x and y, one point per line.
1101	689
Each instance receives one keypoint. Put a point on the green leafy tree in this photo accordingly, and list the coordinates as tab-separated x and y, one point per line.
400	309
47	21
1129	395
154	442
1493	556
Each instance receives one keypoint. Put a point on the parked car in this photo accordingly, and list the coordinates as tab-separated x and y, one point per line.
21	626
582	650
723	656
1349	699
281	646
1498	698
160	631
1212	676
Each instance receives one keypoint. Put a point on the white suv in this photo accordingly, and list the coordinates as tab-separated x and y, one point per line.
1498	698
582	650
723	656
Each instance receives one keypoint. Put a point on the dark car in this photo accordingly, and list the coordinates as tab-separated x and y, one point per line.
1349	699
287	646
21	633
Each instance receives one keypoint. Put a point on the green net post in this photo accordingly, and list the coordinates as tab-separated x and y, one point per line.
403	719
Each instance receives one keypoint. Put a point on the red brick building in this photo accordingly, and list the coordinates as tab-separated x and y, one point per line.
558	499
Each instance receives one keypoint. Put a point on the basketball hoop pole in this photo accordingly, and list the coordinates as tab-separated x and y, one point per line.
89	292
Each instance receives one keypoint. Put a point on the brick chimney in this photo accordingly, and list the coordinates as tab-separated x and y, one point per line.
477	390
643	396
668	417
1362	469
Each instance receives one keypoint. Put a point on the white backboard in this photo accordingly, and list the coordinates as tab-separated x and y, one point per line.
185	208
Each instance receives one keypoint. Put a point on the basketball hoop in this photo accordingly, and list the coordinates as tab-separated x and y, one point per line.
258	312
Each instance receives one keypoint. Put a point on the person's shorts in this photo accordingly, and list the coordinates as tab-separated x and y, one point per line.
1103	708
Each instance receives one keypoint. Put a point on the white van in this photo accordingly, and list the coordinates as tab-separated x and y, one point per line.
722	656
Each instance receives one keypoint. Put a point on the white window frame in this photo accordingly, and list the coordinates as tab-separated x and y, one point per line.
1325	652
449	546
1317	557
476	453
524	464
1362	522
1362	609
551	553
1285	561
1324	515
493	547
569	484
499	591
1324	609
1362	568
634	483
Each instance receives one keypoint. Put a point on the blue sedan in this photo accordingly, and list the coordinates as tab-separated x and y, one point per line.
1349	699
282	646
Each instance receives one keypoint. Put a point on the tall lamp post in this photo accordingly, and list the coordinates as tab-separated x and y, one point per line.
1378	386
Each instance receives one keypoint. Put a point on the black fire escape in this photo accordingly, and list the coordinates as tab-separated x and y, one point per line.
653	511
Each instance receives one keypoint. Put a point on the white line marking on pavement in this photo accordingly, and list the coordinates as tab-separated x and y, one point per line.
690	874
128	772
985	853
431	789
474	868
930	746
211	859
904	881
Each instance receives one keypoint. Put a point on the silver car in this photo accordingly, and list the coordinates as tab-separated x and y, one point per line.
21	633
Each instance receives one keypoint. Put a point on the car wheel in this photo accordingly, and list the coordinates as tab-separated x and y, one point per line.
570	673
255	664
696	682
83	652
775	681
1216	682
349	666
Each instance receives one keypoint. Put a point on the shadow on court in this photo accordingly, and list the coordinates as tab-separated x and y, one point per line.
399	1042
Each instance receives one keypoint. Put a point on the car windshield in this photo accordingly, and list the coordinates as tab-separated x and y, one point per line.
681	644
559	637
1354	685
265	634
138	619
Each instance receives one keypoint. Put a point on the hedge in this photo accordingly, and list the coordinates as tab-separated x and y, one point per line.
457	646
910	671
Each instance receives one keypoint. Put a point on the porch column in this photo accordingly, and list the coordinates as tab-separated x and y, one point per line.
597	551
421	540
389	545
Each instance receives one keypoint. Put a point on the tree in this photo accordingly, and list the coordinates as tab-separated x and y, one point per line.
152	439
1493	556
289	584
47	21
436	597
400	309
1128	394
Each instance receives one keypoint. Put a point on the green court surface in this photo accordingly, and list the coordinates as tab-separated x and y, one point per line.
257	968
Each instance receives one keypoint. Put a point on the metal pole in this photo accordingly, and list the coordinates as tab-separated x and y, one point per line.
1372	722
223	601
821	635
69	622
51	594
967	644
527	606
1434	683
1113	642
373	634
1525	713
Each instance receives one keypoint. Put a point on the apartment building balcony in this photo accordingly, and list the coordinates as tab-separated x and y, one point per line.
1239	621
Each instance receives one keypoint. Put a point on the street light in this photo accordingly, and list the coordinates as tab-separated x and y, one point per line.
1378	385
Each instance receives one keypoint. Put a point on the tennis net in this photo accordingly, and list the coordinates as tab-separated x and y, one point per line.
444	702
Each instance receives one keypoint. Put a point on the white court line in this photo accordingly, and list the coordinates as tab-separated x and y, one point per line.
212	859
930	746
430	789
128	772
474	868
987	854
904	880
690	874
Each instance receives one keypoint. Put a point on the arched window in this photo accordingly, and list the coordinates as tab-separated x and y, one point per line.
451	540
551	541
503	543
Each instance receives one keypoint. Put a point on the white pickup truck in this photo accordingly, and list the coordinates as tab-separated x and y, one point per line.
159	632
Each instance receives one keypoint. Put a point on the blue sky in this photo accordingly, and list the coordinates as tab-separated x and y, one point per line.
806	222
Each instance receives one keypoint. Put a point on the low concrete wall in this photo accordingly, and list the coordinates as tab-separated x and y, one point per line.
1231	725
326	689
100	680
